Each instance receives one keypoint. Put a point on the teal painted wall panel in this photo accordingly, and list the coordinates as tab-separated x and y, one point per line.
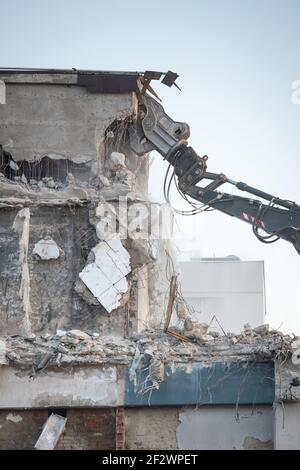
218	384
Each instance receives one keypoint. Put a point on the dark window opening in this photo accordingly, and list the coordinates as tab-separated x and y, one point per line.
6	164
57	169
58	411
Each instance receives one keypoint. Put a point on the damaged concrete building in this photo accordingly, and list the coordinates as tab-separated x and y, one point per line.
88	359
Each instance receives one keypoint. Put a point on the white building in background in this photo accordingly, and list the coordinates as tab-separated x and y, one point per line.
231	289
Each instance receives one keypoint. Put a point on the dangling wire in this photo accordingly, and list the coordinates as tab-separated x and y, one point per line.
168	180
258	218
197	207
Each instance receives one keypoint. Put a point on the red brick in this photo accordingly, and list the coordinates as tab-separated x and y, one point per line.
89	429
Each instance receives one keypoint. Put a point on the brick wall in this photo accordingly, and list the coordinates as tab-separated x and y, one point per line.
151	428
21	429
86	428
89	429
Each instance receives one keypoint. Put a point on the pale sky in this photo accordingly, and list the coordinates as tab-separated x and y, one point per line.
237	60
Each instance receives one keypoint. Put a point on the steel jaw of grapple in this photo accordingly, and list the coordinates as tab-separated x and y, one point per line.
155	130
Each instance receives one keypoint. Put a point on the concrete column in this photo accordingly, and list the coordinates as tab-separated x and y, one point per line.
287	426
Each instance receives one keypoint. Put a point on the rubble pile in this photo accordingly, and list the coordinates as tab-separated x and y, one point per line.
153	347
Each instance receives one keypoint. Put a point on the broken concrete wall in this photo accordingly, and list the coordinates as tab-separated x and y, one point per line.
287	404
210	428
60	155
287	372
150	369
77	387
287	426
162	268
57	299
55	128
60	122
53	300
65	153
138	315
242	428
75	369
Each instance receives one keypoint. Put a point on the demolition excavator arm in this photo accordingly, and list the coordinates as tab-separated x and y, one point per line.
271	218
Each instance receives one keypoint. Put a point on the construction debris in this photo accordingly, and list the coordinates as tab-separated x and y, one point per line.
52	430
193	329
46	249
119	173
3	359
141	349
81	335
262	329
105	277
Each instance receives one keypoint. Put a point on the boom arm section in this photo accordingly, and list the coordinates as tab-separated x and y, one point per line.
154	129
278	219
